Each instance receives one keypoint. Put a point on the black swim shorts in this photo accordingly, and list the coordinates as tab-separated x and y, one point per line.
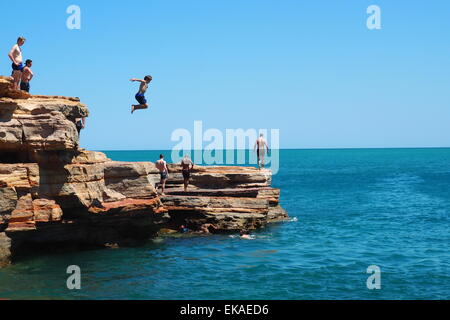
186	174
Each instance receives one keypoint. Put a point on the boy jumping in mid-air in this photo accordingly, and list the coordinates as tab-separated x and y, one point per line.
140	96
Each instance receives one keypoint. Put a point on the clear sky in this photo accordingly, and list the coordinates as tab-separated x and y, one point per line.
309	68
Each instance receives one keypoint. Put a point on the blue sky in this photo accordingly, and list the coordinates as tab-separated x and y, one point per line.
309	68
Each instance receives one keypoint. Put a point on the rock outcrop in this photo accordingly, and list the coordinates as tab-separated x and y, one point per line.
232	198
6	89
39	124
55	195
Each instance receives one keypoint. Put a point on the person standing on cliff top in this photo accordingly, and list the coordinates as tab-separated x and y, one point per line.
140	96
17	62
161	165
261	146
27	75
186	166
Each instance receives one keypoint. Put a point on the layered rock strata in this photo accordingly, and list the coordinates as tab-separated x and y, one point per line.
232	198
54	194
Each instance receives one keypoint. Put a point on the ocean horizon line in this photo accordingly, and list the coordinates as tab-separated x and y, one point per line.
287	149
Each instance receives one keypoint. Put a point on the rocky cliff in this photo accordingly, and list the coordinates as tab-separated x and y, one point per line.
53	194
233	198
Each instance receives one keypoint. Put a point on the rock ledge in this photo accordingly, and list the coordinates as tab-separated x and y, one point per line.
54	195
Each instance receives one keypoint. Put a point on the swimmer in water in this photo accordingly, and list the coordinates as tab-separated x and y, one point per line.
205	228
245	235
184	229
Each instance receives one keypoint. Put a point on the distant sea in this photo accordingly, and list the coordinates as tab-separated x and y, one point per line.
350	209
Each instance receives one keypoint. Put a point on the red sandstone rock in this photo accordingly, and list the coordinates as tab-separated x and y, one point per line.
53	192
5	250
6	89
227	213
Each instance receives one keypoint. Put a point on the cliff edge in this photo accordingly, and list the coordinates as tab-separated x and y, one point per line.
55	195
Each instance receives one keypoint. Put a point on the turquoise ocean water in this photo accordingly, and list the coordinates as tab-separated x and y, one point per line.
350	209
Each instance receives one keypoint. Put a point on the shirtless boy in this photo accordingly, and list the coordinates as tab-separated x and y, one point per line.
161	165
17	62
261	146
186	166
27	75
140	96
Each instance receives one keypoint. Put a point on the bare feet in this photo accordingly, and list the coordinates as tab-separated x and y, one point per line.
132	109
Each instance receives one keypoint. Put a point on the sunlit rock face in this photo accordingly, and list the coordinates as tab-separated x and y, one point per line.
52	192
232	198
55	195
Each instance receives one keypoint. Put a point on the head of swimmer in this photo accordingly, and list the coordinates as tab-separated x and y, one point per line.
244	232
148	79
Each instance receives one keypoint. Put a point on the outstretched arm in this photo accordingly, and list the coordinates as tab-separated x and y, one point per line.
138	80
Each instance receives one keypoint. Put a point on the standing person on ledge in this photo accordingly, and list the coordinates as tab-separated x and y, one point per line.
161	165
186	166
261	146
17	62
27	75
80	123
140	96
